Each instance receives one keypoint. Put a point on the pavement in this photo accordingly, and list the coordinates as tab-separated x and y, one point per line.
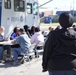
32	67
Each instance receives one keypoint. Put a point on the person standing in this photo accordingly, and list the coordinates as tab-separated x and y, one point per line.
59	56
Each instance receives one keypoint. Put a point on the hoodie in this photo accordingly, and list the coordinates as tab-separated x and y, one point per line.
60	50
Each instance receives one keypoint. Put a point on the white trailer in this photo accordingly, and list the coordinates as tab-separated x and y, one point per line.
18	13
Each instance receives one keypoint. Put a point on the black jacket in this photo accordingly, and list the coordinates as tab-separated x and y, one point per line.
60	50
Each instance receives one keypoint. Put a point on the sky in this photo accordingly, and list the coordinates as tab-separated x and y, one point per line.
59	4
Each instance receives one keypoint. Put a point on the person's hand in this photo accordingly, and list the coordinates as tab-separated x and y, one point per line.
7	38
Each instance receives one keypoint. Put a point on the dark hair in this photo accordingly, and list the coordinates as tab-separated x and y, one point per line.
66	20
37	29
21	30
32	28
49	28
15	29
26	27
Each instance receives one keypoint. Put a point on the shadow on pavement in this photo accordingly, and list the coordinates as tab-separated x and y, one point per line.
7	65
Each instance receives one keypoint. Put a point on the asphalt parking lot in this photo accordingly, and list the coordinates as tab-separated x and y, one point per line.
28	68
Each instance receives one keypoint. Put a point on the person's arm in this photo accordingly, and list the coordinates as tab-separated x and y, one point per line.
12	36
13	42
48	49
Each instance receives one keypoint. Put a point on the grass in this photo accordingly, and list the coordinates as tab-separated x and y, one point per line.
52	24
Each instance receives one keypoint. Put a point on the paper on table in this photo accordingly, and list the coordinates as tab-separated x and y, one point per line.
6	42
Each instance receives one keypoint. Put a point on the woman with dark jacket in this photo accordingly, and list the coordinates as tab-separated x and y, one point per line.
59	57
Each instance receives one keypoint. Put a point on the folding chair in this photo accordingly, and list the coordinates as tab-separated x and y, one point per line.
39	49
28	55
30	52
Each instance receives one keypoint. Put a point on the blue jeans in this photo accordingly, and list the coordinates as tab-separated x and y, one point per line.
62	72
16	52
8	48
1	52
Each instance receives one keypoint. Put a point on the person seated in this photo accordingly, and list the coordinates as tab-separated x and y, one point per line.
8	47
32	30
4	47
50	28
2	38
58	27
37	37
46	33
24	42
27	30
14	34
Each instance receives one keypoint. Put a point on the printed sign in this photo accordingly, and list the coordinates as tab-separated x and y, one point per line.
17	19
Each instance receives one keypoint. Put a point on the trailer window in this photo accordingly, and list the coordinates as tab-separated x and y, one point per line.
35	8
29	8
7	4
19	5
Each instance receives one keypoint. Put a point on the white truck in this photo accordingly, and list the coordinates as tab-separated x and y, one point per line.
18	13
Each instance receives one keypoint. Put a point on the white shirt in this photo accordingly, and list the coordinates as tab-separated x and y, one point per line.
36	38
